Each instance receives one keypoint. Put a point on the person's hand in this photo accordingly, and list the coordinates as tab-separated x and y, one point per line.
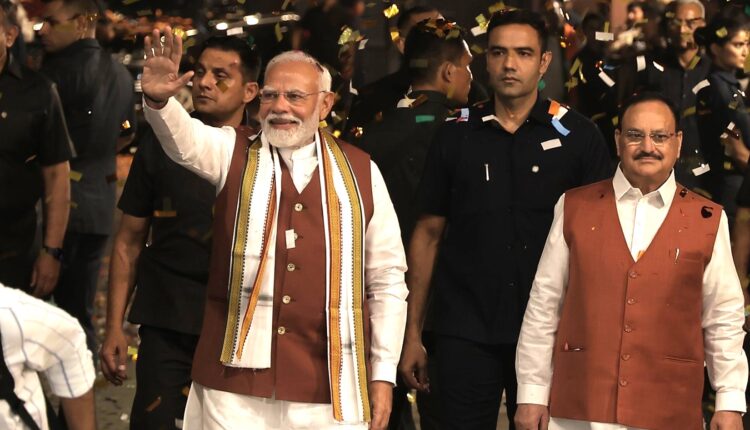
413	365
114	355
44	275
381	398
726	420
160	79
531	417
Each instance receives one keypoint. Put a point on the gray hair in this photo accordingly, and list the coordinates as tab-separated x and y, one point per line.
679	3
301	57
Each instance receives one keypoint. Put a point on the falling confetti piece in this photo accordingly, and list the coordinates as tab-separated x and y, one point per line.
535	169
277	31
689	111
235	31
604	36
615	121
132	350
394	34
124	417
574	68
358	132
345	35
694	62
478	30
125	125
30	158
606	79
497	7
75	176
285	5
424	118
480	19
336	133
362	44
722	32
606	27
186	391
155	404
658	66
640	63
391	11
323	124
477	49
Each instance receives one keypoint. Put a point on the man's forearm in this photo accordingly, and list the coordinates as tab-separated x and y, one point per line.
421	261
122	270
79	411
741	242
56	203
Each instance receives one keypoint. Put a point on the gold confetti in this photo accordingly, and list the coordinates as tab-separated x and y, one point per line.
606	26
155	404
277	30
346	34
722	32
125	125
574	67
689	111
75	176
615	121
477	49
179	32
132	350
391	11
285	5
394	34
322	124
358	132
480	19
222	86
186	391
497	7
572	83
337	133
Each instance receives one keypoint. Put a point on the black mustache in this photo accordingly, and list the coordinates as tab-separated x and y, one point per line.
642	155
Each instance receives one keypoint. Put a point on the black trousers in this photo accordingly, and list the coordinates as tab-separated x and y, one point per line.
472	378
428	404
162	375
76	288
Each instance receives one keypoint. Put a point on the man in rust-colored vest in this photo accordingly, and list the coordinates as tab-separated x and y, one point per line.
635	290
305	306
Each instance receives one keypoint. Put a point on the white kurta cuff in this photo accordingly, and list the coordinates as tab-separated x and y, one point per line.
731	401
533	394
382	371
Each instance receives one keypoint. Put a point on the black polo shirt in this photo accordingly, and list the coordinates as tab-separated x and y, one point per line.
497	191
172	270
32	135
97	96
398	144
677	83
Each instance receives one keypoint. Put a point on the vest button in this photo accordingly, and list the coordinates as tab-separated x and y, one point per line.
281	330
631	301
290	267
286	299
633	274
623	382
626	357
628	329
298	207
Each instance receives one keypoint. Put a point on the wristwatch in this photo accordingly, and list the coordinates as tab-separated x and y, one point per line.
56	253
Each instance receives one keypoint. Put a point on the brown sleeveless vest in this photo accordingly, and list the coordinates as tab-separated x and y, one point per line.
299	360
629	346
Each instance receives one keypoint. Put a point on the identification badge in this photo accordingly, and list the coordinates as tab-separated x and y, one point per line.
552	143
291	240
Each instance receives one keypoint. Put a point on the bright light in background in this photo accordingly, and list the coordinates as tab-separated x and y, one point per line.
191	33
222	26
38	26
252	20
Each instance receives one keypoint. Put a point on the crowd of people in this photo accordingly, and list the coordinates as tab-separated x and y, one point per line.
302	247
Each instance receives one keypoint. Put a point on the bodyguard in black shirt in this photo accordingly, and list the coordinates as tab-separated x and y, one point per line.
97	97
170	274
34	153
487	196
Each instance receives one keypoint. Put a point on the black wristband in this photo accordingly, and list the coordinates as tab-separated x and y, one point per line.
56	253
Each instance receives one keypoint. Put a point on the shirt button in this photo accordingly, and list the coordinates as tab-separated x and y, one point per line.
628	329
633	274
631	301
281	330
623	382
290	267
298	207
296	236
286	299
626	357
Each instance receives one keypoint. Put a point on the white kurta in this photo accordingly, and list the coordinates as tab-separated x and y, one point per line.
640	218
207	151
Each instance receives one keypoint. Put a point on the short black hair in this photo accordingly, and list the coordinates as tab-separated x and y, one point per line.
521	16
720	30
648	96
90	8
592	19
431	43
404	18
10	13
249	58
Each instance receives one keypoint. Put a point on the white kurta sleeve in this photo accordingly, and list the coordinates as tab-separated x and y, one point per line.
537	337
385	266
202	149
722	325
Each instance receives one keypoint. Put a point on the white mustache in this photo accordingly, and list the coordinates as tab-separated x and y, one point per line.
283	117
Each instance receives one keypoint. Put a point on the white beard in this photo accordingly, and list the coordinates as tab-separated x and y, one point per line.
298	136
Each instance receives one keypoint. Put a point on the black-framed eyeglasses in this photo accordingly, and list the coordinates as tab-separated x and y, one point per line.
293	97
658	138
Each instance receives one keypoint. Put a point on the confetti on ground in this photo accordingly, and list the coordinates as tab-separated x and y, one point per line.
75	176
391	11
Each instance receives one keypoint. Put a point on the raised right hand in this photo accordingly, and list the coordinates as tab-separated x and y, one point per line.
113	356
413	365
531	417
160	79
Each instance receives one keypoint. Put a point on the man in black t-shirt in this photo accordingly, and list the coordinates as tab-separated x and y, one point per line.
172	271
34	153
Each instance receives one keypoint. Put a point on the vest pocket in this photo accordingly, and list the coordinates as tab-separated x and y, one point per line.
680	359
